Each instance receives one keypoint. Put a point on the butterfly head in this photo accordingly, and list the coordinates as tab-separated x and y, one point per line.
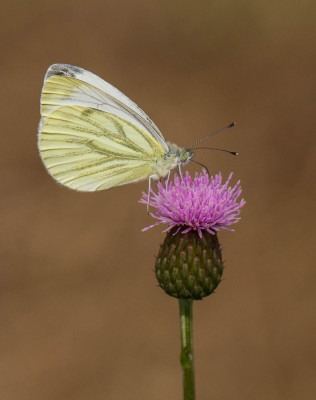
174	157
179	154
185	156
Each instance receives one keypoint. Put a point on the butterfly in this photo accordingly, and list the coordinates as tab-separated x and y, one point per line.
93	137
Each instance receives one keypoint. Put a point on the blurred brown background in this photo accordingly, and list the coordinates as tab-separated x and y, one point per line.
81	314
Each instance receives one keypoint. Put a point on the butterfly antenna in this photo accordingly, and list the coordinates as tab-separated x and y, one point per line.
202	165
213	134
234	153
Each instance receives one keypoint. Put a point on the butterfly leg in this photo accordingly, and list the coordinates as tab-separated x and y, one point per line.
180	172
148	196
167	181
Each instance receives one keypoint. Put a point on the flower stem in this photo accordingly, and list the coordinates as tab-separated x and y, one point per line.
186	357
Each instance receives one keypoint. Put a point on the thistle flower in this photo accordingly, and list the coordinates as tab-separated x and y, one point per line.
189	264
201	204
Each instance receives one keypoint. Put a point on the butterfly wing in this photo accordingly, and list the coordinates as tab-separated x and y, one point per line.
65	84
88	149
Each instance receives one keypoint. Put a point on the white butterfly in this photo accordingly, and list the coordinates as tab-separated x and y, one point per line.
93	137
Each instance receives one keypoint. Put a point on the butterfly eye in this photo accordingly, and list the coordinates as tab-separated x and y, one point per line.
185	156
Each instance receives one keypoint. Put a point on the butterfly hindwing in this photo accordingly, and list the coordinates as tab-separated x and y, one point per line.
88	149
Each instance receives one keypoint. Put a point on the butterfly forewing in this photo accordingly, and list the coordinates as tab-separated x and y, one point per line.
67	84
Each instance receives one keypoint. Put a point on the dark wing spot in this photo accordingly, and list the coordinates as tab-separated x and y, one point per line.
87	112
64	70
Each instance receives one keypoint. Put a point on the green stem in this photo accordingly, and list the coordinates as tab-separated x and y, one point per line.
186	358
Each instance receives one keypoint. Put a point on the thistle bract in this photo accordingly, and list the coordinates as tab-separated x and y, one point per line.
189	267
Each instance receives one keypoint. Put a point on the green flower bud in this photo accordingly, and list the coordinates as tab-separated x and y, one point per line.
189	266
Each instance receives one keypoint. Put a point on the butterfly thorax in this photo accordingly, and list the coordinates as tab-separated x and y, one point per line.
176	156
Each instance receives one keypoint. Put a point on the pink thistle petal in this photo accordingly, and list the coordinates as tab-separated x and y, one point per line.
201	203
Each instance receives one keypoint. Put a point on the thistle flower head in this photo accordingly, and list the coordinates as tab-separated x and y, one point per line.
203	203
